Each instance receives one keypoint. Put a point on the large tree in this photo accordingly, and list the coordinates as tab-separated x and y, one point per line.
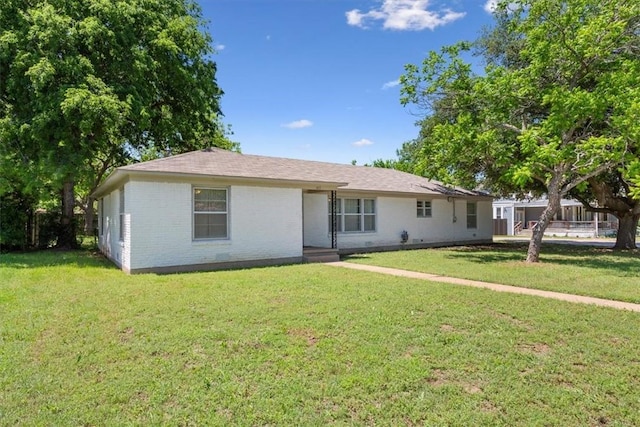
548	114
611	193
86	83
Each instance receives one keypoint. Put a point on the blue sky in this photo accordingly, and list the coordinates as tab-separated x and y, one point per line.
317	79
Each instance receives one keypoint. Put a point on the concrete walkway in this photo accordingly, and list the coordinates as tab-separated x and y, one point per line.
493	286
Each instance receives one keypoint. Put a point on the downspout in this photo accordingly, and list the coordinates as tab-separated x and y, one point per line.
453	200
334	221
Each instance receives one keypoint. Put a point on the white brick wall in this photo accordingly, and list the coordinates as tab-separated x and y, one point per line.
264	223
395	214
109	240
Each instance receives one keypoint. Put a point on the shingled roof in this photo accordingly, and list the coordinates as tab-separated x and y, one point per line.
215	162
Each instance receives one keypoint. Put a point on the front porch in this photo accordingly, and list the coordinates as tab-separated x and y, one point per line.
320	235
575	229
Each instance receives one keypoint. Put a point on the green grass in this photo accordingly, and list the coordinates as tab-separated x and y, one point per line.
83	344
580	270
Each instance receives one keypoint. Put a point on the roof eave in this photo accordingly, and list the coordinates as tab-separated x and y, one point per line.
110	183
120	175
417	194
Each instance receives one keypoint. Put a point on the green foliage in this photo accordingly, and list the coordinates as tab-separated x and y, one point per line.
16	210
87	83
555	108
633	172
558	97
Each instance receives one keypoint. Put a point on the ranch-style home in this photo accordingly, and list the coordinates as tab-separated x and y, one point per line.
214	209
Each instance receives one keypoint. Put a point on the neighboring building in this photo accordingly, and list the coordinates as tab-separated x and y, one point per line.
216	209
573	220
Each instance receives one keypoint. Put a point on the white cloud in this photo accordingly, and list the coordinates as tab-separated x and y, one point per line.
403	15
389	85
298	124
362	143
491	5
219	47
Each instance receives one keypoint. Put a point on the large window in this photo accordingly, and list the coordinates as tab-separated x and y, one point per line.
355	215
423	208
472	215
210	213
121	210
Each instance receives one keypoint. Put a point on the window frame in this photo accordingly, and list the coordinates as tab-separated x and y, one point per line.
424	211
216	212
472	215
348	216
366	215
363	216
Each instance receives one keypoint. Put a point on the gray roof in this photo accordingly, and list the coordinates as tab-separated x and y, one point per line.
217	162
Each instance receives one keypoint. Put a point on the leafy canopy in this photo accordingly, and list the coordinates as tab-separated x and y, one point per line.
556	106
557	99
86	84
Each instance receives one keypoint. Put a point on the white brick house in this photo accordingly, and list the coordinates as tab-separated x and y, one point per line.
216	209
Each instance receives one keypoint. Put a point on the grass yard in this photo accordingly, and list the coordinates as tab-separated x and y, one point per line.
580	270
83	344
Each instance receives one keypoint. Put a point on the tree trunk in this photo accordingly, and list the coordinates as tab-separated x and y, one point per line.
533	254
89	215
67	232
30	241
627	226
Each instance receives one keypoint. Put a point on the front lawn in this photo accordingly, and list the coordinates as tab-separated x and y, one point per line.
574	269
83	344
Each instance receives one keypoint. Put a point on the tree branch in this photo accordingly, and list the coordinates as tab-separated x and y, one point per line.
579	180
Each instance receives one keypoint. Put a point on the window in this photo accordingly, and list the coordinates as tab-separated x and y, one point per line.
369	215
354	215
121	210
210	213
499	213
472	215
424	208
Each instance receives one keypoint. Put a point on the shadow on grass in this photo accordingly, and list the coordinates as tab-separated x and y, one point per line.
620	263
353	256
82	258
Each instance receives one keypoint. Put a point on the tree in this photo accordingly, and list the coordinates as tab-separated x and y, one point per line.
611	193
549	114
86	83
104	163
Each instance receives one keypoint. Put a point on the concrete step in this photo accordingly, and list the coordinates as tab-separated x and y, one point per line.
320	255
